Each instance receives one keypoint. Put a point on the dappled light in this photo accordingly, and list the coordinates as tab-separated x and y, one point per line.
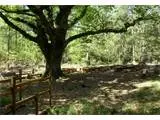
130	95
79	60
144	100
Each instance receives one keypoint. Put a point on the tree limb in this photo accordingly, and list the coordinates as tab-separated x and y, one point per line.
106	30
23	12
50	15
61	20
80	17
26	35
29	24
38	10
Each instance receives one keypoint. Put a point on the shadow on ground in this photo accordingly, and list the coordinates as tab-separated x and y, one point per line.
107	93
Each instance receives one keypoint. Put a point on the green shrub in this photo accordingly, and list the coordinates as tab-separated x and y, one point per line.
4	101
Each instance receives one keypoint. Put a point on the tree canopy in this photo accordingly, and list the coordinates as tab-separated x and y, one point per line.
52	28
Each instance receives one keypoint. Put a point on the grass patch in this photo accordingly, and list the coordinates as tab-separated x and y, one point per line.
147	91
81	107
4	101
134	107
145	100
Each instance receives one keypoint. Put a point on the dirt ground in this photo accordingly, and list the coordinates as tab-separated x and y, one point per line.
111	88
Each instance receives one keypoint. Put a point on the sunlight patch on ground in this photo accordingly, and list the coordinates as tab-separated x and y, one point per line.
137	96
114	81
155	84
131	106
136	107
62	79
104	88
143	100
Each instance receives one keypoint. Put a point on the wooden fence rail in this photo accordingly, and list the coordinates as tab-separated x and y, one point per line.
16	86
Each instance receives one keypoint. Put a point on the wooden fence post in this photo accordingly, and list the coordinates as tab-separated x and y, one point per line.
36	103
33	71
50	92
20	80
14	96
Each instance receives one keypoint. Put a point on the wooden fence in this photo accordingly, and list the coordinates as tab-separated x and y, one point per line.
17	84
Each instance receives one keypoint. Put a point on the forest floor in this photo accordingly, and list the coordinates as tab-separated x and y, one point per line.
109	92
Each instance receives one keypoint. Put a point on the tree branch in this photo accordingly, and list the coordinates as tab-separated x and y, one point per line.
23	12
62	17
26	35
106	30
50	15
80	16
29	24
38	10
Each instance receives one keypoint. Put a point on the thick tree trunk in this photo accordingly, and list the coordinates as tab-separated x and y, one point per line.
52	49
55	69
53	66
46	69
53	57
